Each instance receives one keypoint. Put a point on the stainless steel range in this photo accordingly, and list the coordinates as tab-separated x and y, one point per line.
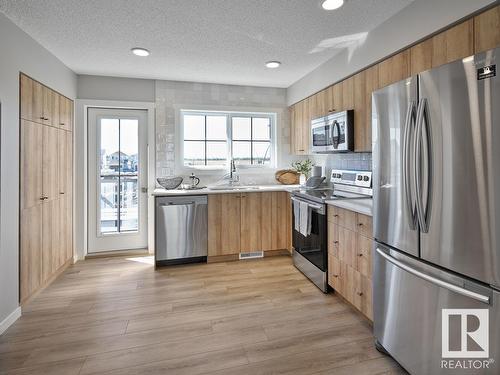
310	229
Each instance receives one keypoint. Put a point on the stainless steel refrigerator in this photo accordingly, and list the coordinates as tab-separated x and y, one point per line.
436	179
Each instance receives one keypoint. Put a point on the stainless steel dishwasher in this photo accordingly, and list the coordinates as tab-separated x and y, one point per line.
180	230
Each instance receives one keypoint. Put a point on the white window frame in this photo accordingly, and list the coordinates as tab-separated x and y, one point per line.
273	116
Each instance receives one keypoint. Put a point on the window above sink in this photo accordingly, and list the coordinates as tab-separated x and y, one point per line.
210	139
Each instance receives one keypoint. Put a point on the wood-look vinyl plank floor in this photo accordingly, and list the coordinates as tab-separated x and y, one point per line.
120	316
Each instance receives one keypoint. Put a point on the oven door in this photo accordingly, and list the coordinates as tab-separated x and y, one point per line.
314	246
321	137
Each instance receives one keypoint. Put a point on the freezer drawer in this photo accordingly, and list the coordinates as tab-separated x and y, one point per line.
408	301
180	229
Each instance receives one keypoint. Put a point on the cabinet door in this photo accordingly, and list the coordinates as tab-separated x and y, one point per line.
335	273
38	96
65	161
224	215
31	164
348	94
47	105
362	127
347	246
336	98
66	230
394	68
51	228
26	87
280	226
344	218
363	261
371	84
55	109
297	128
251	219
364	225
453	44
421	56
30	262
306	127
65	113
487	30
50	168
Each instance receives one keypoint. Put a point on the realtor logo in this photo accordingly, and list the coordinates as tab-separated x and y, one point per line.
465	333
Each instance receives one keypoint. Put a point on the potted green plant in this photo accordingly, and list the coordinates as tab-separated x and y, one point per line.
303	167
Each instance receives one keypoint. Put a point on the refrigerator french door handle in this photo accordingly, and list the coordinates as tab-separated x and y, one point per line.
410	120
434	280
423	211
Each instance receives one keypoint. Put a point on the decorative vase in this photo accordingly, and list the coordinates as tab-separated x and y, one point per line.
302	179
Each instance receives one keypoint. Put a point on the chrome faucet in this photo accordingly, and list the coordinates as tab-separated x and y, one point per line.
232	171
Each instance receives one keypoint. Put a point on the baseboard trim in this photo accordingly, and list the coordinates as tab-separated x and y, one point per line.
118	253
9	320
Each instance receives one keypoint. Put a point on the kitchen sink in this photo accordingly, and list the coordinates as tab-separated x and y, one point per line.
233	187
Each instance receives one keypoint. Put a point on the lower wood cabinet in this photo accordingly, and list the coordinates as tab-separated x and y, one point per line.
244	222
349	257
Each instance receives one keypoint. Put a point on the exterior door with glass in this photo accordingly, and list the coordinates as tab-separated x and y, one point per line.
117	179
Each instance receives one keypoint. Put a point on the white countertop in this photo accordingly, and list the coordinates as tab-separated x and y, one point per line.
362	206
246	189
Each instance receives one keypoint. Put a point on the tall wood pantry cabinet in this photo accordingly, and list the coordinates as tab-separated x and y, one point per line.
46	185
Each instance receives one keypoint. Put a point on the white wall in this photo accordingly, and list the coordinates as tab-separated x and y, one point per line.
171	96
19	53
420	19
116	88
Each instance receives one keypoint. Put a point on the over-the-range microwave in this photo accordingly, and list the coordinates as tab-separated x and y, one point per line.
333	133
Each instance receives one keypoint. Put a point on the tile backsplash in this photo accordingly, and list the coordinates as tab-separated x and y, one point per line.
361	161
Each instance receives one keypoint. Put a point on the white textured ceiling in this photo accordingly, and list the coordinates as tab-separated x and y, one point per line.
221	41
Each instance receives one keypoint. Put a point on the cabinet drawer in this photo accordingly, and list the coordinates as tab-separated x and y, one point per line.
344	218
364	259
364	225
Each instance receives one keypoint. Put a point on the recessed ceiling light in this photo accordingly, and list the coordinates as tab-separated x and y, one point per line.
273	64
332	4
140	51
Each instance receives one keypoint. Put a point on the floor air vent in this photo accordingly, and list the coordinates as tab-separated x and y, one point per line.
251	255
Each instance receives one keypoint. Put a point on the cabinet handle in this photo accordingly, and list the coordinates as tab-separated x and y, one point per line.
360	255
335	275
43	197
335	215
331	110
61	192
335	242
360	224
61	123
42	118
359	294
301	150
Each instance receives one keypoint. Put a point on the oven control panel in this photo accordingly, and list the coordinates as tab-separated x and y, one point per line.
355	178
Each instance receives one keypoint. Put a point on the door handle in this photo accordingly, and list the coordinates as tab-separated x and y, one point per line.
423	211
434	280
410	118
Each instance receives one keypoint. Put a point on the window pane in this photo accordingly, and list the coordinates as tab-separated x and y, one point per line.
129	203
216	128
110	161
194	153
216	153
194	127
129	146
261	153
109	204
261	128
242	152
241	128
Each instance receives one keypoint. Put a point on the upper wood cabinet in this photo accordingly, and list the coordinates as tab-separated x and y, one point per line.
362	127
300	127
334	98
347	94
224	215
421	56
65	113
394	69
487	30
453	44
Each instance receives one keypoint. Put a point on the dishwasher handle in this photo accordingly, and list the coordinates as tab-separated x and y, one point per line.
181	201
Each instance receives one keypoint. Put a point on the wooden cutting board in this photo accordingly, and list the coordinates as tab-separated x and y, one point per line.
287	177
